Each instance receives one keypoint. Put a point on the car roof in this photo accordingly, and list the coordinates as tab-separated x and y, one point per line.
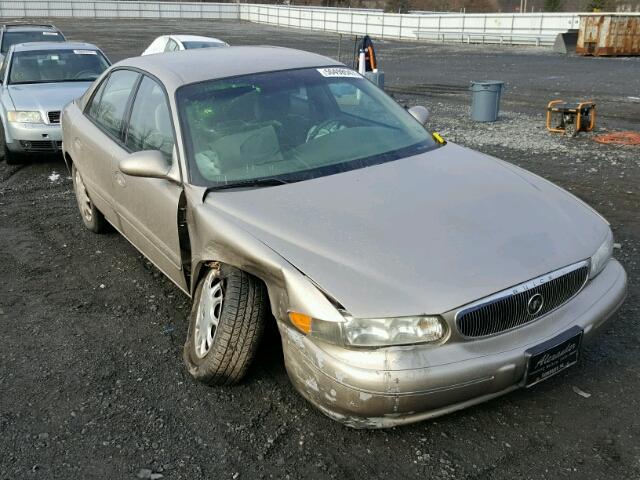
196	38
31	46
190	66
29	27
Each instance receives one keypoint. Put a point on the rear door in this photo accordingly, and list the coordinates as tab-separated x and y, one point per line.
100	135
148	207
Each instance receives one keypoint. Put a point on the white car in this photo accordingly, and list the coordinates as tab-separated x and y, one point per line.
174	43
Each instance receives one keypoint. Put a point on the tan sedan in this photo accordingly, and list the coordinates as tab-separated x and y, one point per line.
408	277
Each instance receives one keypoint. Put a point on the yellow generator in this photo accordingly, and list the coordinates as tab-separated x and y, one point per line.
571	118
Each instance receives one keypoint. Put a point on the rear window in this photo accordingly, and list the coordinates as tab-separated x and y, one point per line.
193	45
11	38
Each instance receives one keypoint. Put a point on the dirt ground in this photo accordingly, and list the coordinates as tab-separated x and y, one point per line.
92	384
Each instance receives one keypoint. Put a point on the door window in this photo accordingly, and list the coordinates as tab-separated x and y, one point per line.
109	105
150	123
93	106
171	46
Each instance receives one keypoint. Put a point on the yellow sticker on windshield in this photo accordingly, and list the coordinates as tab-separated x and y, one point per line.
438	138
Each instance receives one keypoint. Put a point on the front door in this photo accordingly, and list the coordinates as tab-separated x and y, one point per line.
148	207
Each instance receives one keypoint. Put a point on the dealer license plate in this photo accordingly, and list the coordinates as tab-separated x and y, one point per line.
553	356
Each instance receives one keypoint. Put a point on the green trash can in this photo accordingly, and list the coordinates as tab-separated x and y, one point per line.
485	100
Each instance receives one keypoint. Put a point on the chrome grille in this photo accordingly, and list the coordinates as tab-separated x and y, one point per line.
512	308
54	117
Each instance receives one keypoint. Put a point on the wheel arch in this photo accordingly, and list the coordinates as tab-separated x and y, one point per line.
287	288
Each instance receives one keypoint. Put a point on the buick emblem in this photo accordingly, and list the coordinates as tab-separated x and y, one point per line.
535	304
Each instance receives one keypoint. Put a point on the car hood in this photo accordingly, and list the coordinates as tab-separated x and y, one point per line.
423	234
46	97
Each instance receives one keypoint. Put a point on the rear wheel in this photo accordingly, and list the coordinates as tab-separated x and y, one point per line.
225	326
91	216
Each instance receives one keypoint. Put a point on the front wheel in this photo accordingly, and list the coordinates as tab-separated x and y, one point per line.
12	158
225	326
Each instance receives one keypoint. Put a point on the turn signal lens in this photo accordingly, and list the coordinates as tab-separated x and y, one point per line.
301	321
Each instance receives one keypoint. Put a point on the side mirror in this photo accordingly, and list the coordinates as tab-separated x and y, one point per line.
147	163
420	113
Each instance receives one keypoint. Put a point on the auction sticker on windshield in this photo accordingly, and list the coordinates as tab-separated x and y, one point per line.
338	72
85	52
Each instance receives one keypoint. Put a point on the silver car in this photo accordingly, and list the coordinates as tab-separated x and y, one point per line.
409	277
14	33
38	80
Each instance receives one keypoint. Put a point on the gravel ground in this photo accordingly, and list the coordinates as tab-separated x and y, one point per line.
91	379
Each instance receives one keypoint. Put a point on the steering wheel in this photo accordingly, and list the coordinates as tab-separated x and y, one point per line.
324	128
82	73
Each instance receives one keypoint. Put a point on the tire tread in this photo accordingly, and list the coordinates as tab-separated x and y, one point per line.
239	331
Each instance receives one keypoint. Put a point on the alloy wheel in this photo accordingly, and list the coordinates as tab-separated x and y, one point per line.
209	312
84	202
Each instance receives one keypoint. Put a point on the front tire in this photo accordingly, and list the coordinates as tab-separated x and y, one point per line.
91	216
225	326
12	158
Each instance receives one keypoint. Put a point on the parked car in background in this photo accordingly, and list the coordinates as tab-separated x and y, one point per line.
409	277
38	80
14	33
173	43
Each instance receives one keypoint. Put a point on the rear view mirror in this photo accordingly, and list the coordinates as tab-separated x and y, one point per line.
420	113
147	163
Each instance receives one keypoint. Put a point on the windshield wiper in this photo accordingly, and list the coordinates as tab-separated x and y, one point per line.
257	182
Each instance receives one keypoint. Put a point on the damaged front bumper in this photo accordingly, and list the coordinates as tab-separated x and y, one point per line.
377	388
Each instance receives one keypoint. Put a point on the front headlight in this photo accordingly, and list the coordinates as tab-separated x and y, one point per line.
602	256
25	117
373	332
380	332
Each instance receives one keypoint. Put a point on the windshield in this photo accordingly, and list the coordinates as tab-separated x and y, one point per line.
12	38
46	66
292	125
202	44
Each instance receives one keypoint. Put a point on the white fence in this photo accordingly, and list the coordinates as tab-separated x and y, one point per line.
118	9
525	28
540	28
